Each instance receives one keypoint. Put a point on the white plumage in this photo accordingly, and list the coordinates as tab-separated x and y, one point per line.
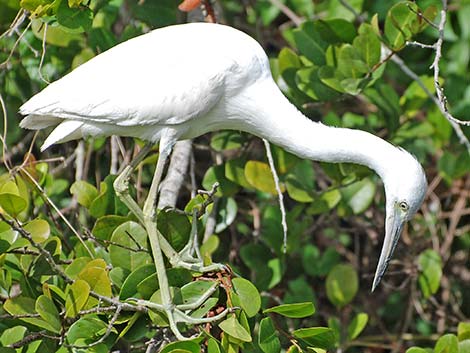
182	81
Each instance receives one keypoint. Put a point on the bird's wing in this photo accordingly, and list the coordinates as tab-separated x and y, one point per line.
134	84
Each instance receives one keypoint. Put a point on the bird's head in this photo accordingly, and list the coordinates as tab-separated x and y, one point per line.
405	187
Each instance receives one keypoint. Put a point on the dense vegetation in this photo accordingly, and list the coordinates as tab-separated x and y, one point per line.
73	259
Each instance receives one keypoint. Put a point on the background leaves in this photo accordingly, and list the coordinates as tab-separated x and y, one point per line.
334	62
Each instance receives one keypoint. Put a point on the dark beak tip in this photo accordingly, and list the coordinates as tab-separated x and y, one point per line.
374	285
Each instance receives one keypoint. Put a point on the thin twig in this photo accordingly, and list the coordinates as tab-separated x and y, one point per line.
7	60
56	209
279	192
3	137
435	66
410	73
43	54
17	22
297	20
421	45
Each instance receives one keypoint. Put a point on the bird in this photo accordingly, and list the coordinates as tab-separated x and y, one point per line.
183	81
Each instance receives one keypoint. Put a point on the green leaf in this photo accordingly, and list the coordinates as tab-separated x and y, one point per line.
296	310
464	346
387	100
56	35
288	59
87	328
77	296
209	246
105	226
129	287
463	331
267	11
447	344
336	31
232	327
283	160
26	306
96	275
39	230
300	182
327	200
357	325
235	171
180	347
402	21
250	300
12	335
12	204
74	20
84	192
227	140
213	346
127	236
48	311
175	227
308	80
193	291
317	337
430	272
359	195
107	202
310	43
177	277
342	284
267	337
76	266
227	212
259	175
368	45
416	350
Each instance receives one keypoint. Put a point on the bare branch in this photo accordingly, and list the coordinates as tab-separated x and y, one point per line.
297	20
279	191
171	185
421	45
435	66
43	54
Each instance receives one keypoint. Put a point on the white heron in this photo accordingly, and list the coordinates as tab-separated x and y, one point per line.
183	81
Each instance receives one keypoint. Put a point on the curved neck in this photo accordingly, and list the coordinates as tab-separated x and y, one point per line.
273	117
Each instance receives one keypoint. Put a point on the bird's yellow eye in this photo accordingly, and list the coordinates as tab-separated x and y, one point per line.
403	206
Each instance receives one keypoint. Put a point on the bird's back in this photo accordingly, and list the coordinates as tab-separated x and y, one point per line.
168	76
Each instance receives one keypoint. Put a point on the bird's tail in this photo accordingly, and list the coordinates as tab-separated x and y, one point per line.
67	130
38	122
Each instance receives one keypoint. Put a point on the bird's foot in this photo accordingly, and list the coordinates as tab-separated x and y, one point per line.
190	257
195	264
181	313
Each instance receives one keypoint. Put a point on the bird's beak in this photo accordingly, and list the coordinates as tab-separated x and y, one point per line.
393	228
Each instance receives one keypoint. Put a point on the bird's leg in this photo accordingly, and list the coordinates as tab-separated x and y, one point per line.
190	252
150	223
121	187
190	257
173	313
121	183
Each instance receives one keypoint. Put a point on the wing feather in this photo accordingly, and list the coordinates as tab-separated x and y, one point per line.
136	83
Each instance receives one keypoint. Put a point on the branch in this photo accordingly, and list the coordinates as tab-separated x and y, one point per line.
435	65
411	74
57	270
279	192
297	20
171	185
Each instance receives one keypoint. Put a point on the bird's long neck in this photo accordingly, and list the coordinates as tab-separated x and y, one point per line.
268	114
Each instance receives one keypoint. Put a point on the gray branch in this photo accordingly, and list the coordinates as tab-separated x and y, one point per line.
174	179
